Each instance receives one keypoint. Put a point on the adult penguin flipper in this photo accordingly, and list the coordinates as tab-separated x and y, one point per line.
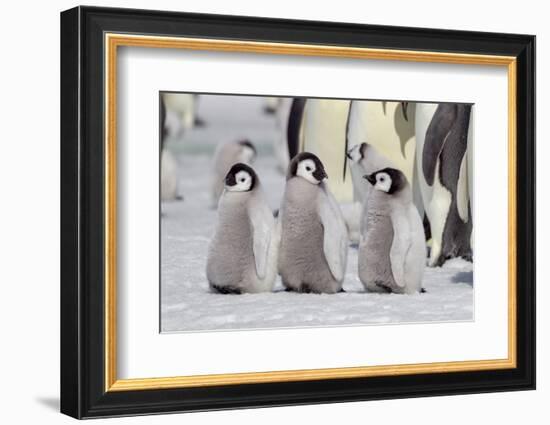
262	224
335	238
436	136
399	248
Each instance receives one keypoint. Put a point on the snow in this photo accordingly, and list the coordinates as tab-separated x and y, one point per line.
186	228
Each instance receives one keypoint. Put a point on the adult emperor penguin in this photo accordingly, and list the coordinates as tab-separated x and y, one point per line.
392	251
225	156
314	240
443	167
242	256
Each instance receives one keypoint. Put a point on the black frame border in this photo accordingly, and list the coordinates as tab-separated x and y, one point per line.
82	212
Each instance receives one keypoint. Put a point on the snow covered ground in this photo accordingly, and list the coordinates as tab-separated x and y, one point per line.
186	227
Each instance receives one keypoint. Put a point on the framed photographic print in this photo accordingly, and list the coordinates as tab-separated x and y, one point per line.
261	212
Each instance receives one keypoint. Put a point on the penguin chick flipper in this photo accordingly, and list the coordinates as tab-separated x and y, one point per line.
335	238
262	224
399	247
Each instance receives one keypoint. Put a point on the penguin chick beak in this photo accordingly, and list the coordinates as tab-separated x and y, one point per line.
371	178
230	180
320	175
348	155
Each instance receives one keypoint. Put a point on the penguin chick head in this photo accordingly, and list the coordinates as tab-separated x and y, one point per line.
248	151
357	153
388	180
307	166
240	178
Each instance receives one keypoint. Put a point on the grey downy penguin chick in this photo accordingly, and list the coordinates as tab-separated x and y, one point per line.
314	239
392	251
242	255
225	156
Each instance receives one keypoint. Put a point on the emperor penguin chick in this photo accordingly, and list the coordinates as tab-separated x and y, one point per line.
242	255
314	239
225	156
392	251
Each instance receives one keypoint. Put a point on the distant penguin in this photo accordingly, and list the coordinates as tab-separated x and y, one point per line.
242	256
271	104
443	167
168	176
183	108
225	156
168	164
392	251
314	240
280	142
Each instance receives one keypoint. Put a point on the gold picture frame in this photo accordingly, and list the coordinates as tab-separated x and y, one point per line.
114	41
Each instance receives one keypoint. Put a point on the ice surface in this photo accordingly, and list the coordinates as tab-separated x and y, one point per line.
186	226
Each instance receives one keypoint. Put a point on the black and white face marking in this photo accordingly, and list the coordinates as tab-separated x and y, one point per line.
356	153
309	167
388	180
240	178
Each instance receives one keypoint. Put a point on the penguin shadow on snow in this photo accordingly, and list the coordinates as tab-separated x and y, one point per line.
464	277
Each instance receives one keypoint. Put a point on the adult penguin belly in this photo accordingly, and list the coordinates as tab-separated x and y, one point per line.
324	134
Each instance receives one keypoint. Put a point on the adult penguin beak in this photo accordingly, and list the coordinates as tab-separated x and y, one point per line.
371	178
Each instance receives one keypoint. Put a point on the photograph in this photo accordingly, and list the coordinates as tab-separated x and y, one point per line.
294	212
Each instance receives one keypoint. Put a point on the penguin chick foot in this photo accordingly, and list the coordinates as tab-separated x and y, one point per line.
226	290
305	289
383	286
